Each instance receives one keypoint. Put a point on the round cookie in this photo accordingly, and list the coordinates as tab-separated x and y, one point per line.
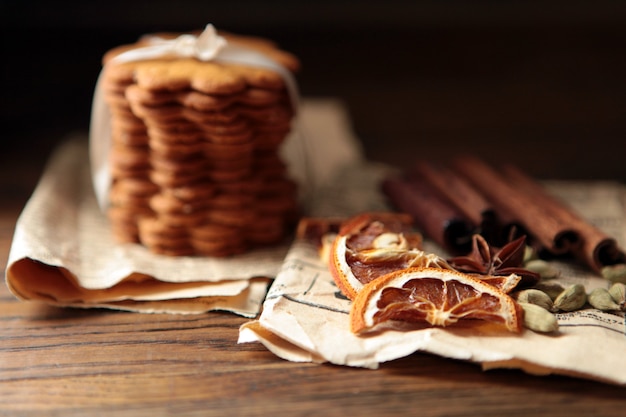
192	192
168	203
240	218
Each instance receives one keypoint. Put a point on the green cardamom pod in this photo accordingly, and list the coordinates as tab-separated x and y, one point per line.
553	289
535	296
615	273
573	298
538	319
618	293
543	268
601	299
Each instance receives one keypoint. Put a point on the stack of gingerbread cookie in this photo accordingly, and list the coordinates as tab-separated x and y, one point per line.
194	162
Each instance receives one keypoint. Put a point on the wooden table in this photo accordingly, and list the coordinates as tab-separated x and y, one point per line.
66	362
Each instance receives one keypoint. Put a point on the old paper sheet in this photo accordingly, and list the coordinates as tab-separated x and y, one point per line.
63	252
305	317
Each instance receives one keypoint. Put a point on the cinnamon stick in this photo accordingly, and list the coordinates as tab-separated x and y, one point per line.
551	230
433	216
460	194
597	249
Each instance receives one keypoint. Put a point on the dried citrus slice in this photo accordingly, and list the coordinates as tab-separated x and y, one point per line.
433	295
370	245
505	283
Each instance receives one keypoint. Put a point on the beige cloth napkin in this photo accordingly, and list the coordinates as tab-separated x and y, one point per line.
63	252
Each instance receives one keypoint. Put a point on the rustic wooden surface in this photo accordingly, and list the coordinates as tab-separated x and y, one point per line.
544	88
72	362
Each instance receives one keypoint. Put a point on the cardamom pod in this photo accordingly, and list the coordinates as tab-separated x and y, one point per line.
601	299
553	289
573	298
618	293
529	254
615	273
538	319
543	268
536	297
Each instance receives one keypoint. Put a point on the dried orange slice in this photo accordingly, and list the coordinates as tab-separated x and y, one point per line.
370	245
433	295
505	283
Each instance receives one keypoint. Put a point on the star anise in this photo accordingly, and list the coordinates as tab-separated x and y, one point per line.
492	261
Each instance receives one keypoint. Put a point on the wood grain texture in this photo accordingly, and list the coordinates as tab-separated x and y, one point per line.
73	362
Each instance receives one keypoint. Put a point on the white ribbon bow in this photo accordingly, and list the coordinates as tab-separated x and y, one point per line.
205	47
